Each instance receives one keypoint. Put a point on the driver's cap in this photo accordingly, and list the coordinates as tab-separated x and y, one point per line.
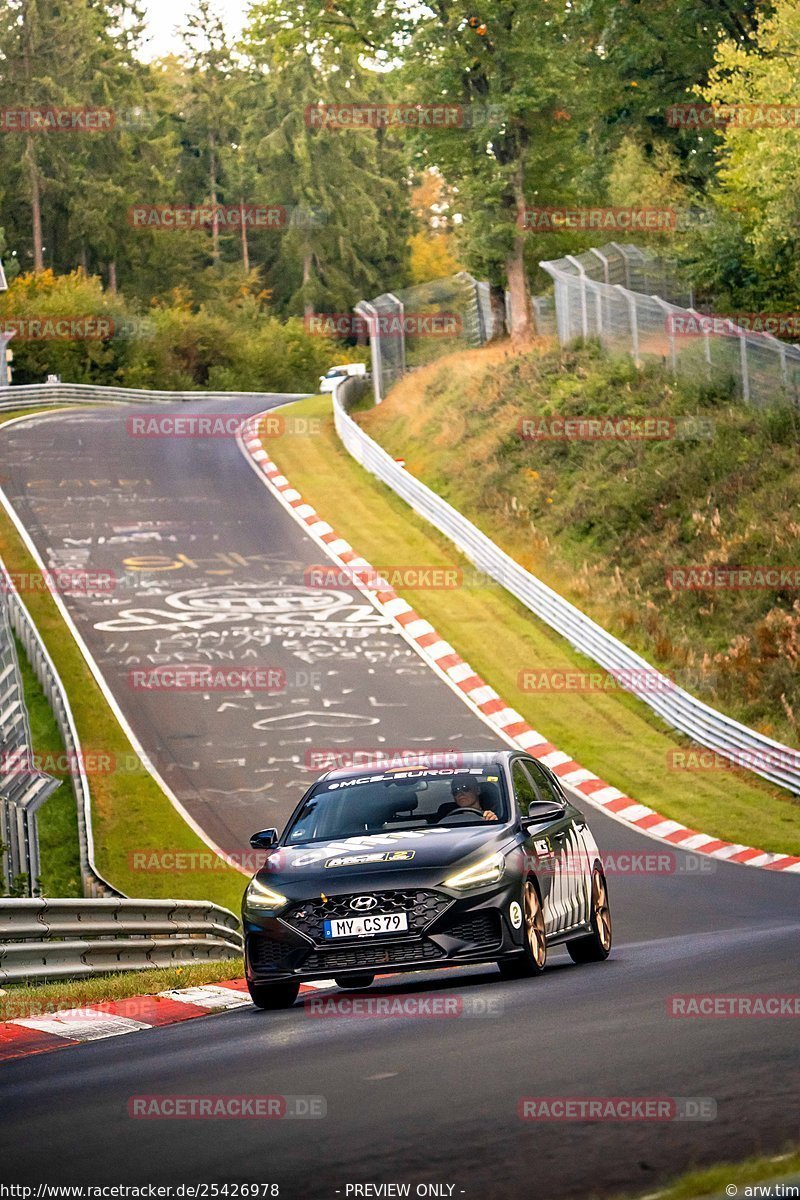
458	782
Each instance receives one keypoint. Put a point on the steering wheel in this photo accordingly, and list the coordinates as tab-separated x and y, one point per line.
459	814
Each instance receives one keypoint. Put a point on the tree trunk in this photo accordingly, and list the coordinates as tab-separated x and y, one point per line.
83	260
36	206
308	257
112	276
30	154
212	178
497	297
245	247
519	291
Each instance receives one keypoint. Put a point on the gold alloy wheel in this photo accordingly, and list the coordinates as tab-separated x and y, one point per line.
534	925
601	910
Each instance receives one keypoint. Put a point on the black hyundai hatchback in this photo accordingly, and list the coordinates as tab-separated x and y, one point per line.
422	866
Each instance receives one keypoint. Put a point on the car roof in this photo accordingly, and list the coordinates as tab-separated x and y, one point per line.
464	759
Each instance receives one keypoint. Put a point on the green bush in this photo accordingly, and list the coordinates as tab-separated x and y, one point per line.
232	343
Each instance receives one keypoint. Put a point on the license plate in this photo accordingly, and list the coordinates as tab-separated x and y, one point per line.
366	926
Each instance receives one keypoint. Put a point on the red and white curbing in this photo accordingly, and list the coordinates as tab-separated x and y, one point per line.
441	656
57	1030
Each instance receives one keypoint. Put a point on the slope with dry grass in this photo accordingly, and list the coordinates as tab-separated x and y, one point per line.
604	522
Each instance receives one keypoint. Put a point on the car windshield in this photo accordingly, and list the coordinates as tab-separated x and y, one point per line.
397	800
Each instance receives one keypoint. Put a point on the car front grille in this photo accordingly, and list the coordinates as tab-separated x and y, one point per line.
389	954
422	907
483	929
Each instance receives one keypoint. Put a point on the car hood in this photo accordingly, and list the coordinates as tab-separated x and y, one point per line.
381	855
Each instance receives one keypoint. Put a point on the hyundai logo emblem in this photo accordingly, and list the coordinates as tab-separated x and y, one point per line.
362	903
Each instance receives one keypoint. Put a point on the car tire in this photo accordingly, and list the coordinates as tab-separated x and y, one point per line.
531	961
595	946
273	995
354	981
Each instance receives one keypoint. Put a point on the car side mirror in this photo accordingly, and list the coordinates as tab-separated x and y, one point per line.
542	811
264	840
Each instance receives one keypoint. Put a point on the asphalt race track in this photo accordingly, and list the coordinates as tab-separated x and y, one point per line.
409	1100
209	570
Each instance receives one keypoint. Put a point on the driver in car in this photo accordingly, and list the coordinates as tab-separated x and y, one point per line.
466	798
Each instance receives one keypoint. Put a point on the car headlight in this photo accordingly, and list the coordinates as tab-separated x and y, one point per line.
488	870
259	896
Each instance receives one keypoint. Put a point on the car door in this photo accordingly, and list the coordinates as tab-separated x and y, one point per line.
568	897
538	846
572	901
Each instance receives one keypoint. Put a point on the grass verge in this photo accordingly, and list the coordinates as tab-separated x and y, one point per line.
29	1000
129	809
613	734
714	1180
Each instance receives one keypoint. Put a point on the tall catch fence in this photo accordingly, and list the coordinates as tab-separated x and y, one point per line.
634	302
417	325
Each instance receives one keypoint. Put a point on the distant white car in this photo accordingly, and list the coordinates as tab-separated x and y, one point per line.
328	381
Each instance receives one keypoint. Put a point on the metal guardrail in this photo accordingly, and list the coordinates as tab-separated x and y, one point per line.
23	788
37	395
772	760
74	939
21	622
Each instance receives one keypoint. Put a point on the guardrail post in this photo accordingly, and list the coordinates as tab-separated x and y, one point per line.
6	862
634	321
370	315
5	374
582	277
706	339
745	367
604	262
626	262
778	347
598	304
402	310
673	358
